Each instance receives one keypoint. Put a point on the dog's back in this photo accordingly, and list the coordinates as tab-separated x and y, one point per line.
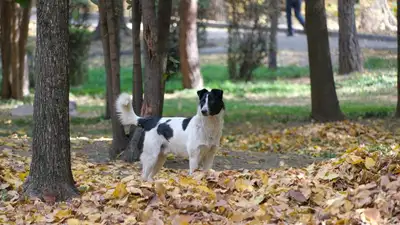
171	131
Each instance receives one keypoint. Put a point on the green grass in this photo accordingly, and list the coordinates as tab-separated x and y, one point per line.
265	81
213	75
373	63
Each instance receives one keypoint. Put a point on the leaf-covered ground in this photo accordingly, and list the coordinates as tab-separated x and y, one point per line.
360	185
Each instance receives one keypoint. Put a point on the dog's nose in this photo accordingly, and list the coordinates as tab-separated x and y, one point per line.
204	112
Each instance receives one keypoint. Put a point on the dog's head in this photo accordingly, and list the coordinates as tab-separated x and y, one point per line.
211	102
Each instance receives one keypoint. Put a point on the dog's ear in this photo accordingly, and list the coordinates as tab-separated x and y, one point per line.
201	92
218	93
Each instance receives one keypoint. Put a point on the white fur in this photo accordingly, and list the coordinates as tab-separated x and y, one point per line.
124	110
200	141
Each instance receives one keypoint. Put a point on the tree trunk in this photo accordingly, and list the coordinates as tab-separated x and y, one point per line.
350	57
376	16
110	27
26	83
155	35
6	15
398	63
15	23
123	27
189	53
50	175
137	60
273	44
107	63
324	101
133	150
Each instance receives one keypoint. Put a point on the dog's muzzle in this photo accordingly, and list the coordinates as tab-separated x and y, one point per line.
204	112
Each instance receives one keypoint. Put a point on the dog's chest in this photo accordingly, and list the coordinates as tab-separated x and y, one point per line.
208	132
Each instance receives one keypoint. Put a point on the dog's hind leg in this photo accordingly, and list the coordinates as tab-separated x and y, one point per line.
159	164
149	160
148	163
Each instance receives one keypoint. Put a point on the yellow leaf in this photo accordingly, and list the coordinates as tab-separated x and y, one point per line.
187	181
120	190
73	222
61	214
207	190
355	159
369	163
160	190
243	185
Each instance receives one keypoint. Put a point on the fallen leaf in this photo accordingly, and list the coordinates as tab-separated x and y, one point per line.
369	163
297	195
73	222
120	190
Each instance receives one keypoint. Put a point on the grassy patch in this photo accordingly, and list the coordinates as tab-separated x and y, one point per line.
373	63
213	75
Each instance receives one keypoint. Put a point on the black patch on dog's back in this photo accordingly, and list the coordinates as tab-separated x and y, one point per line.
186	122
148	123
165	130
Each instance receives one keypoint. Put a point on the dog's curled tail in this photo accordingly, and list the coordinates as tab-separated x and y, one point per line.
125	111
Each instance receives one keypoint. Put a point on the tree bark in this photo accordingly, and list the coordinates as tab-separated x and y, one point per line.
273	44
324	101
126	31
189	53
15	23
398	62
155	35
5	16
110	33
106	53
137	60
50	173
350	56
133	151
376	16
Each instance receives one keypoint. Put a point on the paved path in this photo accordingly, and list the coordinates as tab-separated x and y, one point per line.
217	38
297	43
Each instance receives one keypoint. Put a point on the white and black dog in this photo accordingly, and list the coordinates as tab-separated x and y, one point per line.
196	137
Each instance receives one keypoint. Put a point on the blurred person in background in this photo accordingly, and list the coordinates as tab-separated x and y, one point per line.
296	5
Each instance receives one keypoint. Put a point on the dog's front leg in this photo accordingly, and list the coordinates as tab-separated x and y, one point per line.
209	158
194	159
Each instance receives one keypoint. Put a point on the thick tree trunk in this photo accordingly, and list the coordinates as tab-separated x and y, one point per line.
189	53
324	101
350	57
109	18
273	44
15	23
6	15
398	62
155	35
50	173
